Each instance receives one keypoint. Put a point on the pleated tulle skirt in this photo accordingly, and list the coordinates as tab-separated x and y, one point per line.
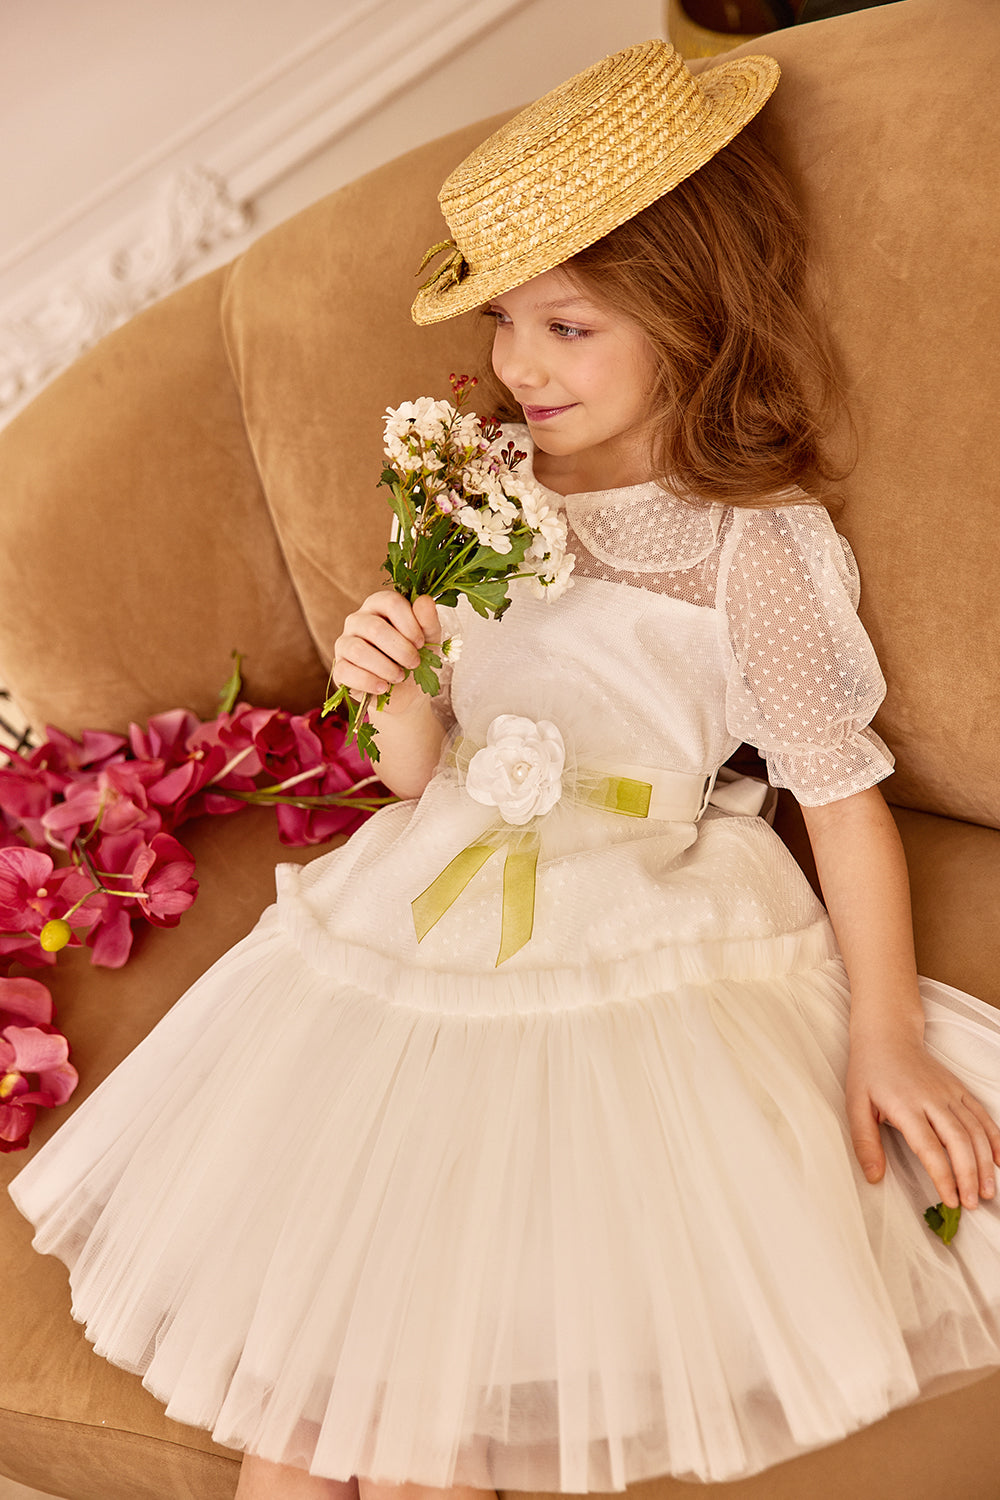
561	1246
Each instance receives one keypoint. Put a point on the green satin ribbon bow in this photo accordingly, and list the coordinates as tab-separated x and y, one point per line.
617	794
518	908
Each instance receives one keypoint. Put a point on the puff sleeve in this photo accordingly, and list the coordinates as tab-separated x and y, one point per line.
803	681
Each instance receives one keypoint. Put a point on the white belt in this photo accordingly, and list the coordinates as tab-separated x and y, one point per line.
675	796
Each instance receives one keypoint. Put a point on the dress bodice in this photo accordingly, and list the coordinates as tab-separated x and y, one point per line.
626	673
692	628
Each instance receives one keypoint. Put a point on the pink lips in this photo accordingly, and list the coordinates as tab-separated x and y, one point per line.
543	413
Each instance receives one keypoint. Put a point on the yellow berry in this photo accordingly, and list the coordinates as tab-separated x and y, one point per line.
55	935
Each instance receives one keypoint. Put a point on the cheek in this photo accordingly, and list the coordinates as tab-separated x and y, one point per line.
499	352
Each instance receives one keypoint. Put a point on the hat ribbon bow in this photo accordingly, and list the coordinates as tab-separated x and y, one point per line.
453	269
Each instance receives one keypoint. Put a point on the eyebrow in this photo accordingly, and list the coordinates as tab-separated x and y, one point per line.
556	303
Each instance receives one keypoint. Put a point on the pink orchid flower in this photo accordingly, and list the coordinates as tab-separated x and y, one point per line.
299	826
287	744
26	795
35	1072
64	758
155	879
32	892
331	732
177	792
229	758
109	937
165	737
118	795
170	742
158	875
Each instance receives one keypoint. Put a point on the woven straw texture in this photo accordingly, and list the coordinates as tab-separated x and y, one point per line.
583	159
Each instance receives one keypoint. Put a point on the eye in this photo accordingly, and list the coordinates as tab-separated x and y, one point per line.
569	331
495	314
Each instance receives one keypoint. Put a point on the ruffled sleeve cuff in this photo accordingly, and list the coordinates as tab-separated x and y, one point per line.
816	776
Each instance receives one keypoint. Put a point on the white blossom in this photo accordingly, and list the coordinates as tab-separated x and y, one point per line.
488	527
550	584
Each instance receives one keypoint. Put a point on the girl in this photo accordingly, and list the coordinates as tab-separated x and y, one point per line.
621	1205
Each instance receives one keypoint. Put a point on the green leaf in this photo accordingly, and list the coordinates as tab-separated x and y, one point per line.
365	736
425	675
358	727
230	691
333	701
488	598
943	1221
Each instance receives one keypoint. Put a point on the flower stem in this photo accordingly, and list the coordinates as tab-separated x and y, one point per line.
231	765
328	799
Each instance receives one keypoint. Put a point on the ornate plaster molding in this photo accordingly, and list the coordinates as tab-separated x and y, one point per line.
192	215
369	52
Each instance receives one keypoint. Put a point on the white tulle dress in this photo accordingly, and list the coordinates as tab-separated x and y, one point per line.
370	1205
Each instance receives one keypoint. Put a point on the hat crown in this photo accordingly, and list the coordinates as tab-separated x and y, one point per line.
579	162
542	170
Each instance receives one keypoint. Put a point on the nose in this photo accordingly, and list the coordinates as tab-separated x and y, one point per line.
516	361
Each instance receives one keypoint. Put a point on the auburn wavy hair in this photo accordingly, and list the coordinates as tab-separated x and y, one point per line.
746	391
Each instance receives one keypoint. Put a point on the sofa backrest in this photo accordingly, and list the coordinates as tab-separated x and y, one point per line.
205	478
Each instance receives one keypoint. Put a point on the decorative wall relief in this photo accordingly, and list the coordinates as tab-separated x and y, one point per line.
125	257
192	215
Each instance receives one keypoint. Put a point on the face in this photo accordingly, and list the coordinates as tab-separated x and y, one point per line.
583	374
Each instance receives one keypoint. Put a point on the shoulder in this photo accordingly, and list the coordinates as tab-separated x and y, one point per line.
799	537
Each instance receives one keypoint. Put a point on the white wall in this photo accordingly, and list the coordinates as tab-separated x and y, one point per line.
147	140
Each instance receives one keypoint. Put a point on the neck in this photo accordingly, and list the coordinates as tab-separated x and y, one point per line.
580	474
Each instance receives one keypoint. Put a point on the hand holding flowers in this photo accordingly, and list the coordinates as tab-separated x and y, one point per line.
466	523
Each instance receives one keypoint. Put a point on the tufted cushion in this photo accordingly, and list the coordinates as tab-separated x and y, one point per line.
204	479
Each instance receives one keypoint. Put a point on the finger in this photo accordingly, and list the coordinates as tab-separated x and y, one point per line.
988	1123
963	1137
373	631
359	684
866	1138
425	612
363	666
399	612
983	1134
940	1152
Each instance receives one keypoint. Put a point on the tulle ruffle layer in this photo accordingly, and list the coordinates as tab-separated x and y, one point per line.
561	1247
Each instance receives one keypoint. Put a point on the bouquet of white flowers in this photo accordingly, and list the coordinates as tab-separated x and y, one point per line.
466	523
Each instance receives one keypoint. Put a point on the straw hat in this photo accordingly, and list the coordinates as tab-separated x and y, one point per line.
580	161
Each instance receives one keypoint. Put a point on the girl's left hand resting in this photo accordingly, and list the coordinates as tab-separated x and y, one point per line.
893	1080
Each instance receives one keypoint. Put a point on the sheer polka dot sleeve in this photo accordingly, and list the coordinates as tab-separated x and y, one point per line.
804	680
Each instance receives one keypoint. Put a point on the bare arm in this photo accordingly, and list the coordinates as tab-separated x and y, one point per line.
381	640
892	1079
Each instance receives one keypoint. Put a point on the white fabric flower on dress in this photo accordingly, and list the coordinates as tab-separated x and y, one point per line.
520	770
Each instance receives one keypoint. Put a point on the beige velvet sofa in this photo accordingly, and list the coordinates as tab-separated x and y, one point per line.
204	480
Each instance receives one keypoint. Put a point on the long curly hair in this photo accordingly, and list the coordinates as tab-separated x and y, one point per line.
746	392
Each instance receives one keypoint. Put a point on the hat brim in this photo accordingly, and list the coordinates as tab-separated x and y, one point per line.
734	92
